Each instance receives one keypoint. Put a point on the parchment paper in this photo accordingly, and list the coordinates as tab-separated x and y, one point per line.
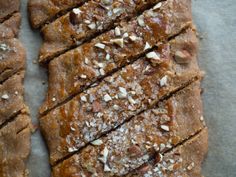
216	22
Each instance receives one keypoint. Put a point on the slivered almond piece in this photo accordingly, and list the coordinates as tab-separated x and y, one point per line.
184	160
75	27
44	11
135	142
65	70
10	103
118	97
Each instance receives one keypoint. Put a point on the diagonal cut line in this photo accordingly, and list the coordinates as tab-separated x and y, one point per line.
15	73
112	72
12	118
173	148
88	39
8	16
165	97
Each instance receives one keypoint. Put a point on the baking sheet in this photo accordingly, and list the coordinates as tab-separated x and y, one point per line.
216	23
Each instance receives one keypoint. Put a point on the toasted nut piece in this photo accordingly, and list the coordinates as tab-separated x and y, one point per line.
182	56
134	151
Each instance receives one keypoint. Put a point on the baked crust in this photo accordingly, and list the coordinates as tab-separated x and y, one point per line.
12	58
130	146
10	27
12	98
79	68
145	81
185	160
80	24
42	11
15	147
7	8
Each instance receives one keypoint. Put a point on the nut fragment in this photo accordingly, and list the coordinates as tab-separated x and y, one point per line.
5	96
141	21
117	31
119	42
107	98
163	81
74	16
96	106
165	127
97	142
153	55
92	26
100	45
182	57
134	151
147	46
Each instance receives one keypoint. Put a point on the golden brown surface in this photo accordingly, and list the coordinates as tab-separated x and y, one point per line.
80	24
41	11
155	131
15	147
12	58
79	68
11	98
126	97
133	89
10	27
7	8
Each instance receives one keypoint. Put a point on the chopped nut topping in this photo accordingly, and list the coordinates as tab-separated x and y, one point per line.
147	46
157	6
141	21
72	149
125	35
96	106
107	98
191	166
77	11
123	92
153	55
163	81
83	98
119	42
201	118
92	26
83	76
117	10
5	96
108	57
182	57
165	127
102	72
131	100
134	151
133	38
117	31
97	142
106	2
100	45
